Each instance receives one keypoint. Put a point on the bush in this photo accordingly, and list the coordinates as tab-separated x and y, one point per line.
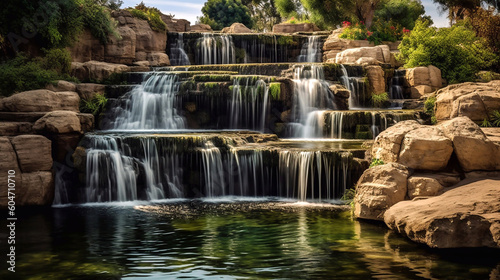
380	99
99	21
95	105
23	73
152	15
429	108
222	13
380	31
455	50
376	162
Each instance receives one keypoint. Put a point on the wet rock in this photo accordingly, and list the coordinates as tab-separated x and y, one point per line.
473	149
473	100
379	188
34	152
41	100
465	216
425	148
58	122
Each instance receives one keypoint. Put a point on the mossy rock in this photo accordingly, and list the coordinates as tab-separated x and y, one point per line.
275	91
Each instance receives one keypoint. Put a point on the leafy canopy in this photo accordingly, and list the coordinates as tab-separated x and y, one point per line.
457	51
222	13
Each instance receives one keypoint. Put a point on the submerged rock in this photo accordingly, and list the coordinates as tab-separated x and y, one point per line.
466	216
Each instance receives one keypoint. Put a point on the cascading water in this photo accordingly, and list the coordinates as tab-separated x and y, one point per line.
249	104
397	84
356	87
215	49
311	93
311	50
151	105
177	53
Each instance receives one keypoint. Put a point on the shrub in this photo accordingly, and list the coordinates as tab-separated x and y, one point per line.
294	20
455	50
152	15
376	162
429	108
95	105
380	99
380	31
22	73
99	21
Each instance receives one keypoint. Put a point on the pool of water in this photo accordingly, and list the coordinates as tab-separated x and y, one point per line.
237	240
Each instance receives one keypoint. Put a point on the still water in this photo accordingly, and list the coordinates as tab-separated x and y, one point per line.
220	240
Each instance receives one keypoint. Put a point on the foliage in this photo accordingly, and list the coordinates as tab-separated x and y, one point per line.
263	13
294	20
348	195
455	50
458	9
376	162
222	13
95	105
401	12
289	8
495	118
22	73
275	90
486	24
152	15
487	76
380	31
429	108
380	99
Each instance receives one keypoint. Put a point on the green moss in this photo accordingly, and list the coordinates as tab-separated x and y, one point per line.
379	100
212	78
275	90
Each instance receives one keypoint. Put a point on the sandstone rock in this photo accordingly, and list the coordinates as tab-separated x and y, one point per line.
121	50
418	91
423	186
142	63
292	28
88	91
86	122
15	128
8	161
482	174
474	151
96	70
379	188
380	53
473	100
158	59
236	28
492	133
34	153
340	91
62	86
388	143
376	79
367	61
425	148
176	25
41	100
424	76
465	216
148	40
201	28
37	188
58	122
86	48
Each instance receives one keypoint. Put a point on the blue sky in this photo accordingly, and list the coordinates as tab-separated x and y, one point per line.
190	9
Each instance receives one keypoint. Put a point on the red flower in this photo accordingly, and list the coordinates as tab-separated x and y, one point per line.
393	28
369	33
346	24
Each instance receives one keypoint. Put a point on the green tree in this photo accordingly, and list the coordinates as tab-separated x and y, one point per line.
457	51
457	9
263	13
222	13
403	12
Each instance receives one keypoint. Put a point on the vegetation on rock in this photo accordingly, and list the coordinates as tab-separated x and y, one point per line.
152	15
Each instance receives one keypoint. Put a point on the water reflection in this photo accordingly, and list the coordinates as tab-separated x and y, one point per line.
237	240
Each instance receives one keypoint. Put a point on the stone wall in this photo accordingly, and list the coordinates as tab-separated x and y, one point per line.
38	131
293	28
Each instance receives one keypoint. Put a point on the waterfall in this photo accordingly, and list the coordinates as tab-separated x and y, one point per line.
336	124
177	53
212	169
151	105
397	84
249	104
311	93
356	87
215	49
311	51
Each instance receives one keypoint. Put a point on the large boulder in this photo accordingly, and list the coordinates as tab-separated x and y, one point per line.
62	86
15	128
40	100
473	100
87	91
34	153
96	70
158	59
388	143
425	148
236	28
121	50
58	122
465	216
376	79
201	28
473	149
381	53
424	76
37	188
423	186
8	161
379	188
292	28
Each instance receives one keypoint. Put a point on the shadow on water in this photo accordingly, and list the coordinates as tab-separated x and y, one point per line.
247	240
